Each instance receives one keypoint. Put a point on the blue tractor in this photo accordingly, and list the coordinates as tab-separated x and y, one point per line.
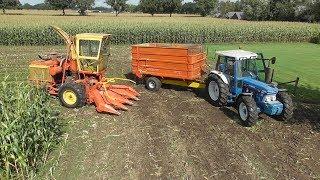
243	79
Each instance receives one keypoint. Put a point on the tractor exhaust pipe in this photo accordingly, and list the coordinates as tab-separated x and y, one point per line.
268	75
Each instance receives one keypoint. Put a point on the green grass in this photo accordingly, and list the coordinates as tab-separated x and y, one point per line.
293	60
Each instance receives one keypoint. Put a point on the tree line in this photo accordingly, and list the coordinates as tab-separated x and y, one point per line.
257	10
275	10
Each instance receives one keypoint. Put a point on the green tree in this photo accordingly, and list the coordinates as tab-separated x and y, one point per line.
132	8
118	5
228	6
150	6
282	10
26	6
42	6
205	6
8	3
189	8
60	4
169	6
83	5
315	11
256	10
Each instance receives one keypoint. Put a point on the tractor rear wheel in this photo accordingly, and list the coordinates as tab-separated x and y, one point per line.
72	95
217	90
248	110
287	111
153	84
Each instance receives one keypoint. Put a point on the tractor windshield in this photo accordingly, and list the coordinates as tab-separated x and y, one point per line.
248	67
89	48
105	50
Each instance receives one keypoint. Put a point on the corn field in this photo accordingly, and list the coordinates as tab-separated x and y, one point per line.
19	30
29	129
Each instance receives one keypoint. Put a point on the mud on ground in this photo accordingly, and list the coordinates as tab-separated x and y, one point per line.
175	134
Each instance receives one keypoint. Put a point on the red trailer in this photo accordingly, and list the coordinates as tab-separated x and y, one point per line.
178	64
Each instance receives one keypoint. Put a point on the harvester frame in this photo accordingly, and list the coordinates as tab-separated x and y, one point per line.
79	78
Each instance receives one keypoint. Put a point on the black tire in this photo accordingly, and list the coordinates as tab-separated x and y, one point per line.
153	84
251	110
74	88
223	88
287	111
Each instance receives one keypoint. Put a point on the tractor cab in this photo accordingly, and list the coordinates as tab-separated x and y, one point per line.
245	64
93	51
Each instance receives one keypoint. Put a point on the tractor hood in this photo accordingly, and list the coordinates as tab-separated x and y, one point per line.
260	86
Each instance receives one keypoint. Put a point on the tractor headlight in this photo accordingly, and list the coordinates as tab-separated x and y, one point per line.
269	98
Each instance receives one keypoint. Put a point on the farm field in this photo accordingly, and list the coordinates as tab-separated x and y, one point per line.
176	133
137	28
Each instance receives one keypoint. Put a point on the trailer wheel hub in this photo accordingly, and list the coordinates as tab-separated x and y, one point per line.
152	84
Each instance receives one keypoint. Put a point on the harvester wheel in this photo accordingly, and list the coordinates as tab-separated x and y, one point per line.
217	90
153	84
248	110
72	95
287	111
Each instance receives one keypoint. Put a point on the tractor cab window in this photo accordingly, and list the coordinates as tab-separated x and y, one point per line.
104	54
229	65
105	49
89	48
249	67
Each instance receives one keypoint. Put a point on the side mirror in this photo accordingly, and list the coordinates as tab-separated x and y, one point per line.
221	67
273	60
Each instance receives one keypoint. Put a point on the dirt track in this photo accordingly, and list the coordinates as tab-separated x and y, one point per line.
176	134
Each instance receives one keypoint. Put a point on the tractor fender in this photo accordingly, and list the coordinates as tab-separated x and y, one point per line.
242	95
221	75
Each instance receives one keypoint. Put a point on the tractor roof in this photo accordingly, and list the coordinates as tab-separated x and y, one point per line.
237	53
92	36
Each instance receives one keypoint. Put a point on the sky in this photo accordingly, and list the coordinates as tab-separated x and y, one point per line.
97	3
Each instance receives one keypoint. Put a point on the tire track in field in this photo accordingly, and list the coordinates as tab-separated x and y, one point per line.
157	161
207	146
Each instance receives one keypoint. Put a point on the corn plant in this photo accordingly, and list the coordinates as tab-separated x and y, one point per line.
29	129
316	39
19	30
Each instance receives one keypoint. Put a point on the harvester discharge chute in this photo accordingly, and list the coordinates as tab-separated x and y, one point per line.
79	78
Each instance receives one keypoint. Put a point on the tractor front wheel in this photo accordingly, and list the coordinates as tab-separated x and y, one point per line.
72	95
248	110
153	84
217	90
287	111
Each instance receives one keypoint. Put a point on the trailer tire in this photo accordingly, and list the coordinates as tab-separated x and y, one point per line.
72	95
287	111
153	84
217	90
247	110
